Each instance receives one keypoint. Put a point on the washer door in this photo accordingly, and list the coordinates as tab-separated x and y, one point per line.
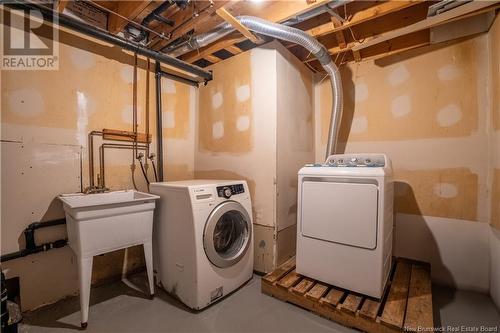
227	234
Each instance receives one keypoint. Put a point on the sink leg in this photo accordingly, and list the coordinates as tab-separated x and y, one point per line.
148	254
85	273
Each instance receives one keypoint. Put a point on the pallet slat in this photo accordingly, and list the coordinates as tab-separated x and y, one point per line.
333	297
303	286
317	291
395	306
370	309
351	303
281	271
419	308
289	280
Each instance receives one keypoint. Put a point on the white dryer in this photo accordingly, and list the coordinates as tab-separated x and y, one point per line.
345	219
203	247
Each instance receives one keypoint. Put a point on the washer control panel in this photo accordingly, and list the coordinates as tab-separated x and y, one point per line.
229	190
353	160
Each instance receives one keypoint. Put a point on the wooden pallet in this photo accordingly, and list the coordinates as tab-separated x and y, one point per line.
405	306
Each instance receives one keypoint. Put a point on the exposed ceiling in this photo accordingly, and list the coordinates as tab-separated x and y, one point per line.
352	31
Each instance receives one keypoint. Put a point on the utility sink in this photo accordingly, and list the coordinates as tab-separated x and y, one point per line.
104	222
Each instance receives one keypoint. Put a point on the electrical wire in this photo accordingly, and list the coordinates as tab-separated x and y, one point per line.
154	169
144	173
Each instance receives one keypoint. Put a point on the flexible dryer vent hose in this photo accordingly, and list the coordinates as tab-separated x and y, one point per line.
293	35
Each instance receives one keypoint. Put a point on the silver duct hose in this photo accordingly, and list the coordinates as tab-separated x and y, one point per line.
289	34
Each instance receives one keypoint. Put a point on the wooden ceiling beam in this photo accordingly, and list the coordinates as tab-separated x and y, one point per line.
451	15
226	16
233	49
128	9
275	11
362	16
338	34
213	59
61	5
209	49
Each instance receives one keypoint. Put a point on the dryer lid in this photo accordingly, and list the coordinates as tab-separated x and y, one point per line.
344	213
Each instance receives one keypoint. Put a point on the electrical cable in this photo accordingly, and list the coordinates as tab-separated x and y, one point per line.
154	169
144	172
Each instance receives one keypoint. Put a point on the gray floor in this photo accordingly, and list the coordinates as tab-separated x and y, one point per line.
122	307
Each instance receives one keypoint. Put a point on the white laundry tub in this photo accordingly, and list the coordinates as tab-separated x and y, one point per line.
105	222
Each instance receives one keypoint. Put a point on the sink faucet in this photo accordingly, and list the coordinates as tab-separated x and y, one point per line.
96	189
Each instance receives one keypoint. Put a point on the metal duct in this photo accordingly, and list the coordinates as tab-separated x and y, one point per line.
293	35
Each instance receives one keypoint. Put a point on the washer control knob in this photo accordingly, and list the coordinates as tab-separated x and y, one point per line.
226	191
368	161
354	160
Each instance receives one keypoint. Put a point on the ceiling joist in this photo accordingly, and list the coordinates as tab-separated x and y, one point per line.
351	30
129	9
226	16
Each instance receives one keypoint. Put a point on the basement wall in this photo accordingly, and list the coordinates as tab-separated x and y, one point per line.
494	47
256	123
45	119
428	110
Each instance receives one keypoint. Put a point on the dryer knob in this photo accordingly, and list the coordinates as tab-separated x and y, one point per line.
227	192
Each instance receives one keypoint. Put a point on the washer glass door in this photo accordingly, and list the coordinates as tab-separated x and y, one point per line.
227	234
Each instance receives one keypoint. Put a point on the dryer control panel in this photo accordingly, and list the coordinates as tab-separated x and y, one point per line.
353	160
229	190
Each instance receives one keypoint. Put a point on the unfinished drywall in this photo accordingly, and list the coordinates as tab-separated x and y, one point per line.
237	134
295	145
494	135
255	123
428	110
45	119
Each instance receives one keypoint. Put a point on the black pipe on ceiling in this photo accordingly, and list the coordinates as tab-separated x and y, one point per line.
92	31
179	79
159	122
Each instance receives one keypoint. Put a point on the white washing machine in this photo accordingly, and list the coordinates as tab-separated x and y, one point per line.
203	247
345	219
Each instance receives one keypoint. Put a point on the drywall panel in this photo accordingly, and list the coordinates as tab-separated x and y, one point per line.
295	133
257	164
435	87
494	37
178	150
237	137
457	250
429	154
495	199
286	244
444	192
225	109
402	106
33	176
264	248
495	266
176	105
44	277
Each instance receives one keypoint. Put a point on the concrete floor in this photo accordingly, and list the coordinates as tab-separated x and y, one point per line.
122	307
